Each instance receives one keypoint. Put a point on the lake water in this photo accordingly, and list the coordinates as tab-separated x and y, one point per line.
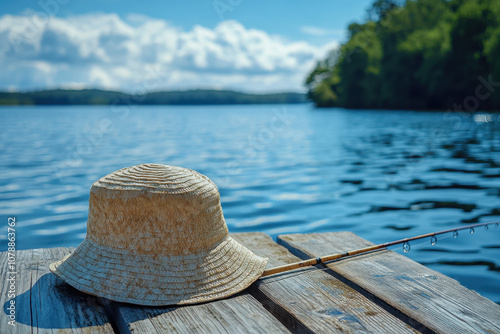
383	175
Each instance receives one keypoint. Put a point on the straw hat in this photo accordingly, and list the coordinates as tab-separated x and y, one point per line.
156	235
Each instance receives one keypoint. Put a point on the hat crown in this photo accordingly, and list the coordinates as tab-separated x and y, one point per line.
156	209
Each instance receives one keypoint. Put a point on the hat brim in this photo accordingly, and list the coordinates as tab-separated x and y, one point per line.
123	276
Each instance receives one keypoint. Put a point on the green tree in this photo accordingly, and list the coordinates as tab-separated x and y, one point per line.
422	54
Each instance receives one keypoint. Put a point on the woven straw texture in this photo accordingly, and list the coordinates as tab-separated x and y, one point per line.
156	236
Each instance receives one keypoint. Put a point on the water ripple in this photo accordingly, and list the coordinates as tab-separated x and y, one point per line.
381	174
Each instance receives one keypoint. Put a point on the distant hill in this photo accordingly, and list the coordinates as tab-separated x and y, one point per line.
103	97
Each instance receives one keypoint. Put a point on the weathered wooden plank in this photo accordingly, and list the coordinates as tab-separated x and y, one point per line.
438	302
44	303
237	314
241	313
314	301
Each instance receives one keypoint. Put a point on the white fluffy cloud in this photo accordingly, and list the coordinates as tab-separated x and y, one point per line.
140	53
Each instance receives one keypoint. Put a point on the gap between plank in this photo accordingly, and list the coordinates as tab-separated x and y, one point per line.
115	319
375	299
288	320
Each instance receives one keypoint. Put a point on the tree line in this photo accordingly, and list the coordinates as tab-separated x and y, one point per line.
415	54
103	97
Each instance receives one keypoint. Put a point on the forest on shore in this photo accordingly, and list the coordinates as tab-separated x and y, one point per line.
415	54
104	97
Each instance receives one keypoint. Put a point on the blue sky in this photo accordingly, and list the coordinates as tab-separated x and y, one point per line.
154	45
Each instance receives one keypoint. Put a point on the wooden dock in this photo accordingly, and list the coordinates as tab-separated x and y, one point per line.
379	292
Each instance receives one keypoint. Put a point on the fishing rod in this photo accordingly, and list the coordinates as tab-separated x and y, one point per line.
405	242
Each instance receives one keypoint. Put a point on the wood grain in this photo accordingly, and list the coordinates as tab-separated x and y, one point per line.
306	300
312	300
238	314
44	303
241	313
436	301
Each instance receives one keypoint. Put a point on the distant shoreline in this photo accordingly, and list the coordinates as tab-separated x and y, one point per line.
104	97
